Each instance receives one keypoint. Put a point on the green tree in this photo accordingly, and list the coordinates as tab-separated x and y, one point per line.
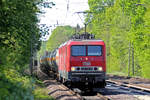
120	23
18	26
19	32
60	35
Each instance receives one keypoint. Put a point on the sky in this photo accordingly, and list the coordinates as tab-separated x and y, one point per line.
64	13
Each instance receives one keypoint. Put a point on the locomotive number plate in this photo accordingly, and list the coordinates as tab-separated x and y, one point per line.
86	63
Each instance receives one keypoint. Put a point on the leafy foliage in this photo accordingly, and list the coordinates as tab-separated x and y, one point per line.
14	87
19	33
59	35
120	23
18	26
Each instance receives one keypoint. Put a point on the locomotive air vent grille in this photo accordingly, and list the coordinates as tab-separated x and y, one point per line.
96	68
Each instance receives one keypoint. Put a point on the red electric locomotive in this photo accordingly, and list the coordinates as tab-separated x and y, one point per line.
78	62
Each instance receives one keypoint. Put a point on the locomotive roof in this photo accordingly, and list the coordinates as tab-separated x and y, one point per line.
86	40
82	40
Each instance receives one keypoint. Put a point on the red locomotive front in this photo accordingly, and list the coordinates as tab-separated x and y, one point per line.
82	62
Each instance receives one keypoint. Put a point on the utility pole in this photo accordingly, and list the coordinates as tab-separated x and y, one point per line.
31	62
129	59
85	31
85	27
108	33
108	44
75	30
132	59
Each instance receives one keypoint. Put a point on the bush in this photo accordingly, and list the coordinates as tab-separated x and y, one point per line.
14	86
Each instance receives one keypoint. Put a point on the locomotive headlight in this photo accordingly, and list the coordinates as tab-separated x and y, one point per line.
100	68
73	69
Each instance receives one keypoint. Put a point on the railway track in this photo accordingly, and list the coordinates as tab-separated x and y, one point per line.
72	92
113	91
129	85
98	96
62	92
122	91
89	95
116	89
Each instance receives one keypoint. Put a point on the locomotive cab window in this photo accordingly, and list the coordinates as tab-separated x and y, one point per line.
78	50
89	50
94	50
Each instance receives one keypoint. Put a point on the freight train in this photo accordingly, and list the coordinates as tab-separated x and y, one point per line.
79	62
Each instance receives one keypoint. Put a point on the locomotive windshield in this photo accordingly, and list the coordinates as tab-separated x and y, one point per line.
78	50
89	50
94	50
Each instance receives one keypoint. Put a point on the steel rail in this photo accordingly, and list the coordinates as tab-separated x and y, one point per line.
102	97
72	92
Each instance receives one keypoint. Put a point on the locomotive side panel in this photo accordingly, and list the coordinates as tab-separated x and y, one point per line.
63	62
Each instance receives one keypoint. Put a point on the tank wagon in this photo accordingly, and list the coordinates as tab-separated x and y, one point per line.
78	62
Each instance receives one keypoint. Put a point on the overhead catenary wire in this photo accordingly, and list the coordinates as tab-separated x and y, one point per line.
66	12
68	8
82	12
68	5
75	20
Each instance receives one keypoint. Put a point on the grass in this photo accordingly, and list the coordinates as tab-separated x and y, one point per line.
118	73
41	92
